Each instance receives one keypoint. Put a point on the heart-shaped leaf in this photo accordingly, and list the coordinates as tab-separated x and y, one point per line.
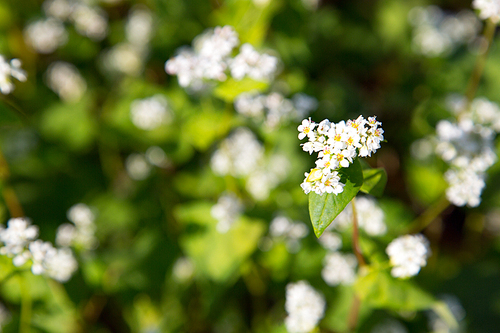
374	181
323	209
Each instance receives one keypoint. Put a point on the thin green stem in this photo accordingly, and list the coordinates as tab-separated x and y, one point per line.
429	215
352	319
477	73
26	306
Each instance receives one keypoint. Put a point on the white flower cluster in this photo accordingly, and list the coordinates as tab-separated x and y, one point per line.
337	146
8	70
20	243
241	155
369	215
408	254
65	80
468	148
287	230
80	234
210	59
227	211
150	113
330	240
274	108
305	307
339	268
436	33
45	35
128	57
488	9
137	166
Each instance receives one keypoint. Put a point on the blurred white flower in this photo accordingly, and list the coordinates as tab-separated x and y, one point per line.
137	167
65	80
408	254
45	36
150	113
123	58
90	21
339	268
183	269
16	237
389	326
305	307
81	233
291	232
330	240
139	26
370	217
488	9
156	156
227	211
251	63
60	9
8	70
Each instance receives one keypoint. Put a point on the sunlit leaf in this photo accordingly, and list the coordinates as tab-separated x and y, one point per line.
323	209
231	88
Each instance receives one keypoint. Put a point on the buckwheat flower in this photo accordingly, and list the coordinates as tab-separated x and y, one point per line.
45	36
486	113
60	9
251	63
139	26
370	216
8	70
123	58
183	269
65	80
306	128
408	254
90	22
488	9
291	232
330	240
227	211
305	307
16	237
80	234
39	251
249	105
339	268
81	215
465	188
279	109
238	155
60	264
218	43
65	235
137	167
304	104
156	156
150	113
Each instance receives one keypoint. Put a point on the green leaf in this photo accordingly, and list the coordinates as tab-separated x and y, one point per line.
231	88
374	181
382	291
323	209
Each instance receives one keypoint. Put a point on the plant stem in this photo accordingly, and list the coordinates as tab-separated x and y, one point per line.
26	303
352	319
355	236
428	216
8	193
489	32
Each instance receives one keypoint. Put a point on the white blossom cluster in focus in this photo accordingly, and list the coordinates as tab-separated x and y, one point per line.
65	80
81	233
286	230
369	215
210	58
339	268
436	33
226	211
337	146
20	243
274	108
488	9
241	155
150	113
305	307
8	70
408	254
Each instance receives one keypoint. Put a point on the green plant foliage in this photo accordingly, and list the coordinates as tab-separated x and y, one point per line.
231	88
374	181
323	209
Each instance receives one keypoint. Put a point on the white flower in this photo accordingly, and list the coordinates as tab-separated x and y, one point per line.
465	187
339	268
289	231
139	26
60	9
82	233
150	113
90	22
330	240
227	211
65	80
250	62
488	9
81	215
183	269
8	70
408	254
45	36
305	307
123	58
137	167
16	237
60	264
306	128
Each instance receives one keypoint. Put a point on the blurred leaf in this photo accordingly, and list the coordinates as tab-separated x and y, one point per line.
70	124
382	291
231	88
323	209
218	255
374	181
204	128
426	182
